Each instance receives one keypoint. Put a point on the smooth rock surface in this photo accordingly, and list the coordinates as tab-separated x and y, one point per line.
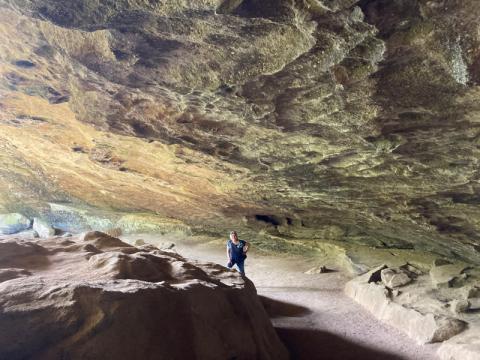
97	297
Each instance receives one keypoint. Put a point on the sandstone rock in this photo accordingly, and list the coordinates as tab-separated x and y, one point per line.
43	228
139	242
474	304
441	262
13	223
470	291
423	327
410	269
459	306
9	273
96	297
166	246
374	275
224	76
115	232
465	346
446	275
394	278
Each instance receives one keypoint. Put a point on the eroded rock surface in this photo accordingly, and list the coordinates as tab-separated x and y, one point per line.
421	308
289	120
97	297
394	278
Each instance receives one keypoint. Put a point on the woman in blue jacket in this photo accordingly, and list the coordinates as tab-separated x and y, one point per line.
237	252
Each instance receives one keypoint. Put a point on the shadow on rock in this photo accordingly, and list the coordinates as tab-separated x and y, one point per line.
319	345
275	308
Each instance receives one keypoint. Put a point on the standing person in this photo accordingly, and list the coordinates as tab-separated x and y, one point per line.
237	252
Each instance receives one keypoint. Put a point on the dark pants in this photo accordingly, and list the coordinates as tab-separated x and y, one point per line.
240	265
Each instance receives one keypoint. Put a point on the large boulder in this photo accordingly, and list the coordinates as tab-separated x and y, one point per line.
393	278
96	297
13	223
424	327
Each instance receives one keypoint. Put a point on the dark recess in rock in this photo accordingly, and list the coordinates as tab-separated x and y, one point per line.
24	64
269	219
79	149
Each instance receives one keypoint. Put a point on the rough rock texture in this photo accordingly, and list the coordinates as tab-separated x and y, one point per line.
392	278
421	326
290	120
448	275
459	306
462	347
99	298
422	309
465	346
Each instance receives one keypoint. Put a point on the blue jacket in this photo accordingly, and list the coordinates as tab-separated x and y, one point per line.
236	251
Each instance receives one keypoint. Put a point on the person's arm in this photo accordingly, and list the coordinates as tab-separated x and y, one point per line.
246	247
228	253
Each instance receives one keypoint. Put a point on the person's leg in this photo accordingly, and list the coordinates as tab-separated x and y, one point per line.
230	264
241	267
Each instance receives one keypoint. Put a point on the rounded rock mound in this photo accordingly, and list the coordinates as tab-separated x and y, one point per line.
97	297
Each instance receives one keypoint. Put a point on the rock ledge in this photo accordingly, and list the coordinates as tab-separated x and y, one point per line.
97	297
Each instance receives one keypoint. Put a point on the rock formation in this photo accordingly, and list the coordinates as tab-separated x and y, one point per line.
42	228
97	297
13	223
426	309
344	120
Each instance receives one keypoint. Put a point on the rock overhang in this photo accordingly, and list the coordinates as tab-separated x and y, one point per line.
338	120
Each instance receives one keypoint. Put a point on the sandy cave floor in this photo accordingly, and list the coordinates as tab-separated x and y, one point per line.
310	312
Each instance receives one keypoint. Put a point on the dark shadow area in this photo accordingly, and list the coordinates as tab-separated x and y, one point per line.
319	345
275	308
473	311
325	270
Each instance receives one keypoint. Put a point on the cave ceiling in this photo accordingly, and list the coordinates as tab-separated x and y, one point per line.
355	121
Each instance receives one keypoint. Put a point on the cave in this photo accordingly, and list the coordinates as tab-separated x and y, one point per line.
269	219
147	146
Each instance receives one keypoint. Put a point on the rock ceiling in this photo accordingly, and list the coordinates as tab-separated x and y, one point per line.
346	120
